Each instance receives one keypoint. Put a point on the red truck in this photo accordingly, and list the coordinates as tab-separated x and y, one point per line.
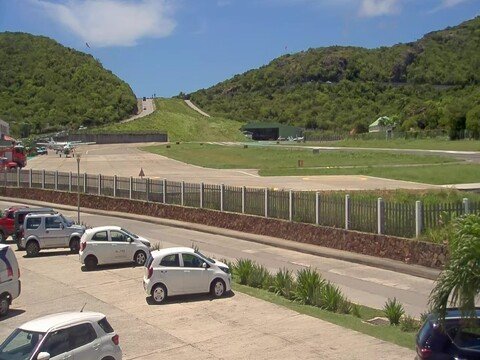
12	154
7	222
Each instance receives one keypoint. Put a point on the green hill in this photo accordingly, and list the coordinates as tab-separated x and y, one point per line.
46	87
428	84
181	123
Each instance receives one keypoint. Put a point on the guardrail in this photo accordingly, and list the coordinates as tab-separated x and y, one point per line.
327	209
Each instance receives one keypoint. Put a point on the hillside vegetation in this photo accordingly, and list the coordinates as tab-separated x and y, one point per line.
181	123
428	84
46	87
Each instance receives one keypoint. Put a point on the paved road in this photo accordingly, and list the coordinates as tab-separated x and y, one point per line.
147	108
127	160
194	327
363	284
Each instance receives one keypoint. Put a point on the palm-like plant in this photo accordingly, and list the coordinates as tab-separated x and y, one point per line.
459	282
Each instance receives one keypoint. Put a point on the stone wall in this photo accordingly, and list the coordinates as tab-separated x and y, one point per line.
395	248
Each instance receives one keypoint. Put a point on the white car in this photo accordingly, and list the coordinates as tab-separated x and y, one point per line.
112	245
10	286
71	335
182	270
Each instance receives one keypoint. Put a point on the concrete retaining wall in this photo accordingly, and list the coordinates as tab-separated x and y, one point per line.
115	138
389	247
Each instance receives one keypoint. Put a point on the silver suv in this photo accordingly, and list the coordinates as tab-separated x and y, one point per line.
49	231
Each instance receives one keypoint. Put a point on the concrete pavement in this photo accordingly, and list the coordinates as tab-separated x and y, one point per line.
127	160
148	107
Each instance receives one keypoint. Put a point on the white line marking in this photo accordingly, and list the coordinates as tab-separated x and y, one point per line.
246	173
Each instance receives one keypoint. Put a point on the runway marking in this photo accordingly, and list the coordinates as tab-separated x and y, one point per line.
299	264
372	280
246	173
250	251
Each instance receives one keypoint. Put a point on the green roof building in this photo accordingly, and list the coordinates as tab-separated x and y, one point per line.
271	131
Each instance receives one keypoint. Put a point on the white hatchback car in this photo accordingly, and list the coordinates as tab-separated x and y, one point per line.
10	286
71	335
182	270
112	245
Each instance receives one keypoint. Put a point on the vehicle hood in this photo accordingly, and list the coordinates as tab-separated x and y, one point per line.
219	263
77	228
143	241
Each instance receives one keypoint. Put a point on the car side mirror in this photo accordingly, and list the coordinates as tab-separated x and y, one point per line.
43	356
204	265
62	226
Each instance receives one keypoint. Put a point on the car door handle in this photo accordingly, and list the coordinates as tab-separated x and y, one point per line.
186	271
46	231
96	346
163	271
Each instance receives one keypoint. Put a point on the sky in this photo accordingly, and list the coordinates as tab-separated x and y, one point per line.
163	47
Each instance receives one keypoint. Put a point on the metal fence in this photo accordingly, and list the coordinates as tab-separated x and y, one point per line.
327	209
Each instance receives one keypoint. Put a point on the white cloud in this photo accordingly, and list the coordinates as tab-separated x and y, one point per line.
112	22
451	3
372	8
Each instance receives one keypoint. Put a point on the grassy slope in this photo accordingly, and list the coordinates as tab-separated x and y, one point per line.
281	160
181	123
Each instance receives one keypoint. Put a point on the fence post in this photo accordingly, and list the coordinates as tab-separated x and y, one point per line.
70	181
418	218
466	206
30	178
317	210
130	190
380	216
99	184
266	202
114	185
244	191
55	180
182	193
147	185
347	212
290	205
164	191
85	183
43	179
222	190
18	177
202	186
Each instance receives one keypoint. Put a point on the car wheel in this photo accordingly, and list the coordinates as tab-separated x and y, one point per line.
4	306
32	248
2	237
91	263
218	288
140	258
75	245
159	293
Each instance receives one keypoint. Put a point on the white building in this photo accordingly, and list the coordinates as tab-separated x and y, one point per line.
4	128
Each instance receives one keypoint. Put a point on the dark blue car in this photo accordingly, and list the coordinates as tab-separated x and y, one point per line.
458	339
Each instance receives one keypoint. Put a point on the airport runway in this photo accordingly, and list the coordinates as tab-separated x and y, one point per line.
128	159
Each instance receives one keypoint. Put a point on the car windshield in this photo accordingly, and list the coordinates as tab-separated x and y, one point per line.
130	233
20	345
205	257
67	221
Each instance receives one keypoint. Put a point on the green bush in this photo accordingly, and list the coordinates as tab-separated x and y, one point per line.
242	269
409	324
258	276
329	297
393	311
308	284
283	283
356	310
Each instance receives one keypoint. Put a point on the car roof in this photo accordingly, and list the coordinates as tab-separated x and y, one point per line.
102	228
40	214
172	250
55	321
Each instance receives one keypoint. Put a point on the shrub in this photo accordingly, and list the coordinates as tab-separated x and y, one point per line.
283	283
258	275
409	324
356	310
393	311
243	269
156	246
329	297
308	283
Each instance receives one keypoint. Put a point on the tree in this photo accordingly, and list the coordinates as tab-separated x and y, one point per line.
473	121
459	283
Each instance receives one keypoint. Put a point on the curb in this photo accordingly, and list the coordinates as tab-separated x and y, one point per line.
392	265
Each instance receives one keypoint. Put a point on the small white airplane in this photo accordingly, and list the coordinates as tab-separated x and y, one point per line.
65	147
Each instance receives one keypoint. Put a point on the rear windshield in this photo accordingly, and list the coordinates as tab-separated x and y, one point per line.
425	332
104	324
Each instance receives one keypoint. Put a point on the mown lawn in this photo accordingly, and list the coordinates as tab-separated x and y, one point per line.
283	161
424	144
437	175
181	123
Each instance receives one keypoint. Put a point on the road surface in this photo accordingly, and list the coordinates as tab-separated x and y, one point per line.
147	108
